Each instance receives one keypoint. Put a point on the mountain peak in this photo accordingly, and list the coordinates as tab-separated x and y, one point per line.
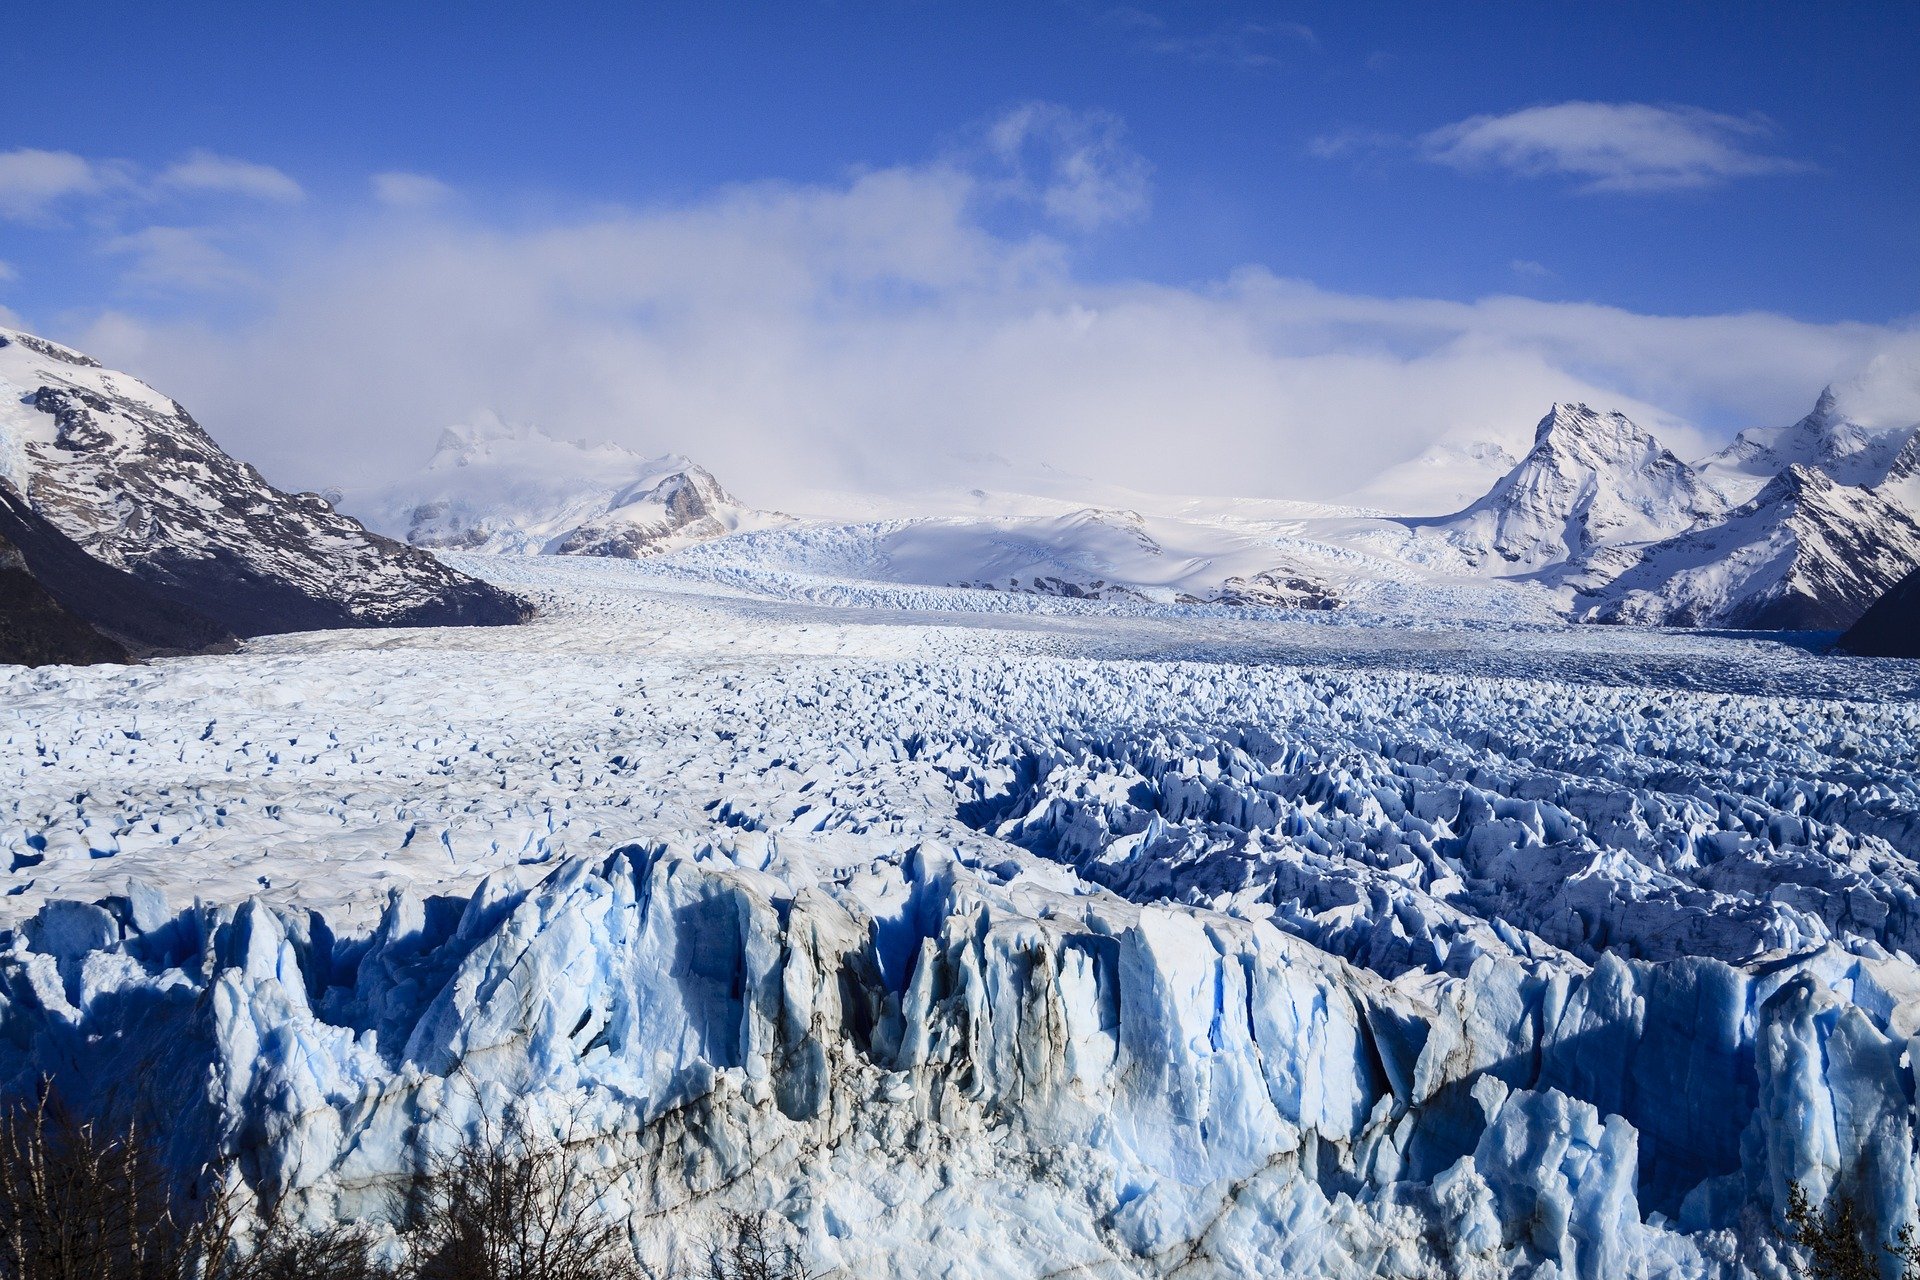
1591	479
1795	483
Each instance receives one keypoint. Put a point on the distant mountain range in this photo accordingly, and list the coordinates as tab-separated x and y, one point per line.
134	521
1799	527
138	529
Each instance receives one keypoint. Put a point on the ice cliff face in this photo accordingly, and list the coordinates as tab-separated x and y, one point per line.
504	488
1806	554
130	477
1133	1090
1590	481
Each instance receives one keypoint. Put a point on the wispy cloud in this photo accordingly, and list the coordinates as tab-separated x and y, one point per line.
1074	164
36	186
400	190
204	171
33	182
174	258
1529	269
1612	146
1246	43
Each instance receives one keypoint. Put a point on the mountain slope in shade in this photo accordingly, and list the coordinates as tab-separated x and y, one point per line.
1590	482
36	629
1806	554
127	474
1829	440
509	489
1890	628
137	619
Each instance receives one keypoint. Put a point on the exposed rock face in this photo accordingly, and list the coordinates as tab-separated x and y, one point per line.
130	477
1806	554
1278	588
1890	628
687	505
1590	482
137	619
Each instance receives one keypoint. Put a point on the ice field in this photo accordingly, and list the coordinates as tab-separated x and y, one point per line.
995	935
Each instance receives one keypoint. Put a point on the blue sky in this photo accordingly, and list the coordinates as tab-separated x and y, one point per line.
194	187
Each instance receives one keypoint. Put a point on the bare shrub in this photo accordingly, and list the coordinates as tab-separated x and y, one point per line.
1834	1241
345	1251
746	1249
514	1208
89	1200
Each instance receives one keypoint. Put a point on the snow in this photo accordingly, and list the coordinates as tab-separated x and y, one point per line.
992	935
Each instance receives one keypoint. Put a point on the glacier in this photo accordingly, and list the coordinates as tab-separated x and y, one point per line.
985	936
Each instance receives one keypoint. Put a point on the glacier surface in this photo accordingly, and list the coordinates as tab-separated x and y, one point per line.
993	936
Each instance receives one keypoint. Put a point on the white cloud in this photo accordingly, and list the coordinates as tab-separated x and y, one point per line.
1530	269
1612	146
32	181
409	190
8	272
1073	164
859	334
178	258
204	171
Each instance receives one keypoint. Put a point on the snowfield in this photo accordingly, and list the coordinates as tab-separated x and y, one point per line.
995	935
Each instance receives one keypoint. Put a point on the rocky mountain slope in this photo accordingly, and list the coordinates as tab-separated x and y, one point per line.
1590	483
130	477
1807	553
503	488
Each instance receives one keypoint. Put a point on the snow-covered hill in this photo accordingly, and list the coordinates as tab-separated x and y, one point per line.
131	478
1807	553
1592	482
1441	479
505	488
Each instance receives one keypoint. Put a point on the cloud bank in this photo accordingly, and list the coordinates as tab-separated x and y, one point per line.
865	333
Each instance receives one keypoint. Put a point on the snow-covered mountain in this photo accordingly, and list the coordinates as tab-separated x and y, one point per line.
131	478
1807	553
1590	483
510	489
1829	440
